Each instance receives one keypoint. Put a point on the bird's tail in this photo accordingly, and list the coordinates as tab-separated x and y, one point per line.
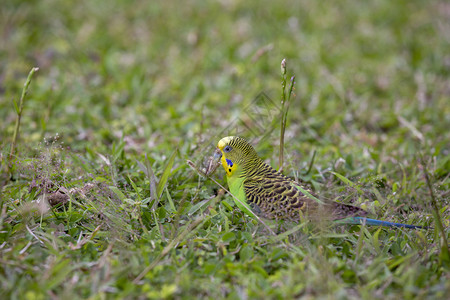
374	222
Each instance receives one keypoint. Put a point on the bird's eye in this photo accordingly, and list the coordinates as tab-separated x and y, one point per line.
227	148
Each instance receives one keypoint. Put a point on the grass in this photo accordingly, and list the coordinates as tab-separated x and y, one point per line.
95	201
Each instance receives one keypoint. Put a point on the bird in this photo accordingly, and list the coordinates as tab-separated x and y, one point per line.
272	195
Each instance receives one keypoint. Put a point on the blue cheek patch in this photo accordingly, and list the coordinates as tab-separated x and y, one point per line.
229	162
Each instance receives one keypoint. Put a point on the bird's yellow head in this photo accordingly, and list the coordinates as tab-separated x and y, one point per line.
236	153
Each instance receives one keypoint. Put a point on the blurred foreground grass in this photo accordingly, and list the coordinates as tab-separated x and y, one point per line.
122	84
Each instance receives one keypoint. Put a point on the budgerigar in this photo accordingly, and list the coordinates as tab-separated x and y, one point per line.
275	196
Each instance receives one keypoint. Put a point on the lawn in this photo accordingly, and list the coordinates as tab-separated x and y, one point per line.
97	199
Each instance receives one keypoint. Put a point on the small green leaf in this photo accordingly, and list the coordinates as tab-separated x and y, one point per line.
118	193
277	254
172	205
343	179
228	237
147	169
16	107
135	188
165	175
376	242
246	253
59	273
197	206
75	217
308	194
143	168
227	205
117	150
346	181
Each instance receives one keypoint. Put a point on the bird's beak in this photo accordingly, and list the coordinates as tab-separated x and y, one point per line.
217	153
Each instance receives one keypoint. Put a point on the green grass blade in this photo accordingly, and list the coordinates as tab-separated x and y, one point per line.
166	173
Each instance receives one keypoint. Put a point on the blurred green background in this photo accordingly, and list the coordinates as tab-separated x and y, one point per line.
126	79
148	69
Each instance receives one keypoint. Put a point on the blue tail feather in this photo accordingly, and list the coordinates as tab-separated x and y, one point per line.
374	222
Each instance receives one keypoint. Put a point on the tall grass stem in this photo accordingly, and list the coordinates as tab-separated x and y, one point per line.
19	111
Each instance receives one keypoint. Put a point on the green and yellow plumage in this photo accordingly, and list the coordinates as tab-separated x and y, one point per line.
275	196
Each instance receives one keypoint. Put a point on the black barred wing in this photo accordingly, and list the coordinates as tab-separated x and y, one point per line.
276	196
